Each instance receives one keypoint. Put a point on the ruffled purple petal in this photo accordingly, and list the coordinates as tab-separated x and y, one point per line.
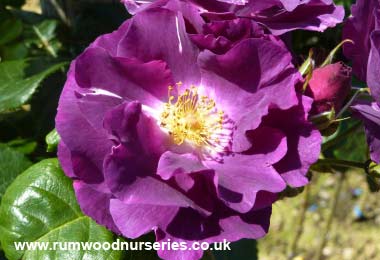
254	225
359	28
373	71
171	44
251	66
282	16
87	145
303	141
370	114
125	78
94	201
172	164
135	220
241	177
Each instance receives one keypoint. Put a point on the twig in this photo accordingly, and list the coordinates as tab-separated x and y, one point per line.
342	163
300	227
349	103
61	13
334	204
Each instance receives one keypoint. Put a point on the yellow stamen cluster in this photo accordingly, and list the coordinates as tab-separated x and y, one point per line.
192	118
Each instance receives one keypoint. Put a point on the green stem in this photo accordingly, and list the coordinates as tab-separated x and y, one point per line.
349	103
342	163
341	137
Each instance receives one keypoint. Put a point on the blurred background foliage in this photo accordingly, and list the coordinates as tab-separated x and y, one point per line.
336	217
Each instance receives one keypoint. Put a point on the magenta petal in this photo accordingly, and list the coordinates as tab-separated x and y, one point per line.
254	225
75	131
281	16
135	220
263	140
370	114
247	175
123	77
358	28
248	79
140	133
95	105
171	44
94	201
110	41
64	156
374	65
177	254
171	164
303	141
266	61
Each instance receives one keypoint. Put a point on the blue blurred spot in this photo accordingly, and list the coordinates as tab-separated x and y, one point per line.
313	207
358	213
357	192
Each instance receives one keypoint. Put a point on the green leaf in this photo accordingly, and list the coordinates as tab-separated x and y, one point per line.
308	65
12	163
333	53
40	206
10	30
243	249
52	140
13	51
45	32
353	147
16	87
25	146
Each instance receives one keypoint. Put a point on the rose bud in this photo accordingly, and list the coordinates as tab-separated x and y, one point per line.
329	86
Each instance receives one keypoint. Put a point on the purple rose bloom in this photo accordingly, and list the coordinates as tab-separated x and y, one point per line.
364	29
160	135
370	114
279	16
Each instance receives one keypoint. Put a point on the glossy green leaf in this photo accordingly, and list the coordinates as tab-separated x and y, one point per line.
52	140
16	87
12	163
25	146
40	206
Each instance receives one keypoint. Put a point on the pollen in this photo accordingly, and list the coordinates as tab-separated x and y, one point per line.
192	118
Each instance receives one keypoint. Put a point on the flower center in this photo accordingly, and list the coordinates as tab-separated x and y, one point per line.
193	118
